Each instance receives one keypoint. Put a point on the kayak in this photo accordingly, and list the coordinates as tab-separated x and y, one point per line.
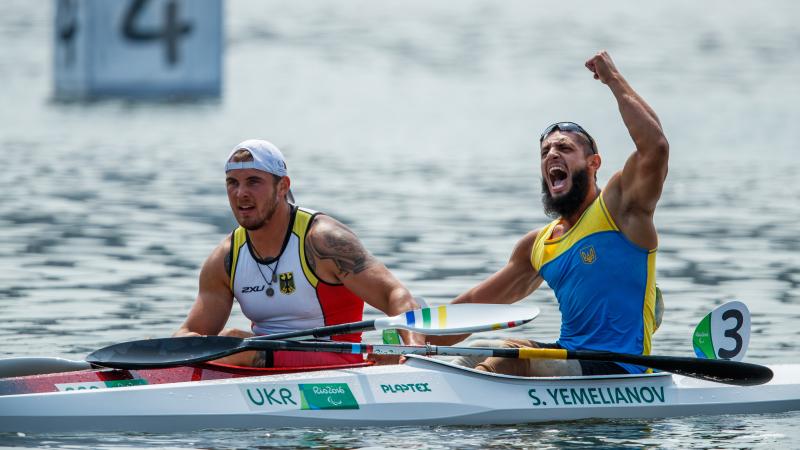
423	391
103	378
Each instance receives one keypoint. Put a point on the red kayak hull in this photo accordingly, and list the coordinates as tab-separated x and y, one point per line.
92	379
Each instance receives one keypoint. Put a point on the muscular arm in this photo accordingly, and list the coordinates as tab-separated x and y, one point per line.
212	307
336	255
515	281
632	194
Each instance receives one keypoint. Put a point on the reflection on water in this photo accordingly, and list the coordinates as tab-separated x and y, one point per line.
413	123
710	432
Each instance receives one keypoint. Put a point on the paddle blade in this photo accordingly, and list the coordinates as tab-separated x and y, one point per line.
460	318
717	370
165	352
724	333
720	370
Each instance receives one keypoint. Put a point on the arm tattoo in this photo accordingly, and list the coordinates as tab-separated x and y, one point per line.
343	248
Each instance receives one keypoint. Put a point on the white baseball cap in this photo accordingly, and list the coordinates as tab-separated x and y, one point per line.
266	157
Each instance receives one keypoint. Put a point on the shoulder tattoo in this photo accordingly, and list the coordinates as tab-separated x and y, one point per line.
341	246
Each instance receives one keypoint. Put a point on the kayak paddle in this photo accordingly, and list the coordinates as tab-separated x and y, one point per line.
444	319
439	320
158	353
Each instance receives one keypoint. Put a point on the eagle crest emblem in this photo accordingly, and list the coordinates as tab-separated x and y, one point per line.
287	282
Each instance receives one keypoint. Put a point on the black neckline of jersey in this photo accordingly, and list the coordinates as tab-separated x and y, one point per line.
283	247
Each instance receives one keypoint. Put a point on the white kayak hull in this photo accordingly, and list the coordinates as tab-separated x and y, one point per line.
420	392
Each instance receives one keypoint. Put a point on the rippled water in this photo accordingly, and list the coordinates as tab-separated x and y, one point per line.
416	125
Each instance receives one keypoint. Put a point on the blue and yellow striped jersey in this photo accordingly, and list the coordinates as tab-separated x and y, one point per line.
605	284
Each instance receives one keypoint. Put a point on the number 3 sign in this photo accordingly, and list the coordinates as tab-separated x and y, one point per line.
724	333
138	48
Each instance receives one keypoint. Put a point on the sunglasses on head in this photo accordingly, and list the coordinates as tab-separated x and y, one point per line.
568	126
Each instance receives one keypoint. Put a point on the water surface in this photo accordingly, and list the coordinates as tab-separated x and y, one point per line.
416	124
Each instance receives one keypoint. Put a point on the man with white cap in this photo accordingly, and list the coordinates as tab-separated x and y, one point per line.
289	268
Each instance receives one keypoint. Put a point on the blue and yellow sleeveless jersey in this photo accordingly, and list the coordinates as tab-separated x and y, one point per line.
605	285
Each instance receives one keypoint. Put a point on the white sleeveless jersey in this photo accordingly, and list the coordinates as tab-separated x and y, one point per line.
300	300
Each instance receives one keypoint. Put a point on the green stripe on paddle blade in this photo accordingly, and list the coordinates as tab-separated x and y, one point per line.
426	318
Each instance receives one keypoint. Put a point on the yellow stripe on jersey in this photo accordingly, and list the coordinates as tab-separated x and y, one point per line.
594	220
649	309
239	239
301	222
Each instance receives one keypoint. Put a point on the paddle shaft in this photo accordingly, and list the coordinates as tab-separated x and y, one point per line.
722	371
33	365
331	330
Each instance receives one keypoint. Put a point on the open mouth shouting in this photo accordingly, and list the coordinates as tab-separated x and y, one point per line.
558	178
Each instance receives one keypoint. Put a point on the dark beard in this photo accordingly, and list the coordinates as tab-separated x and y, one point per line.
568	204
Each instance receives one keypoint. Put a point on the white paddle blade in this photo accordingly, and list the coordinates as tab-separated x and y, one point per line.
460	318
724	333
